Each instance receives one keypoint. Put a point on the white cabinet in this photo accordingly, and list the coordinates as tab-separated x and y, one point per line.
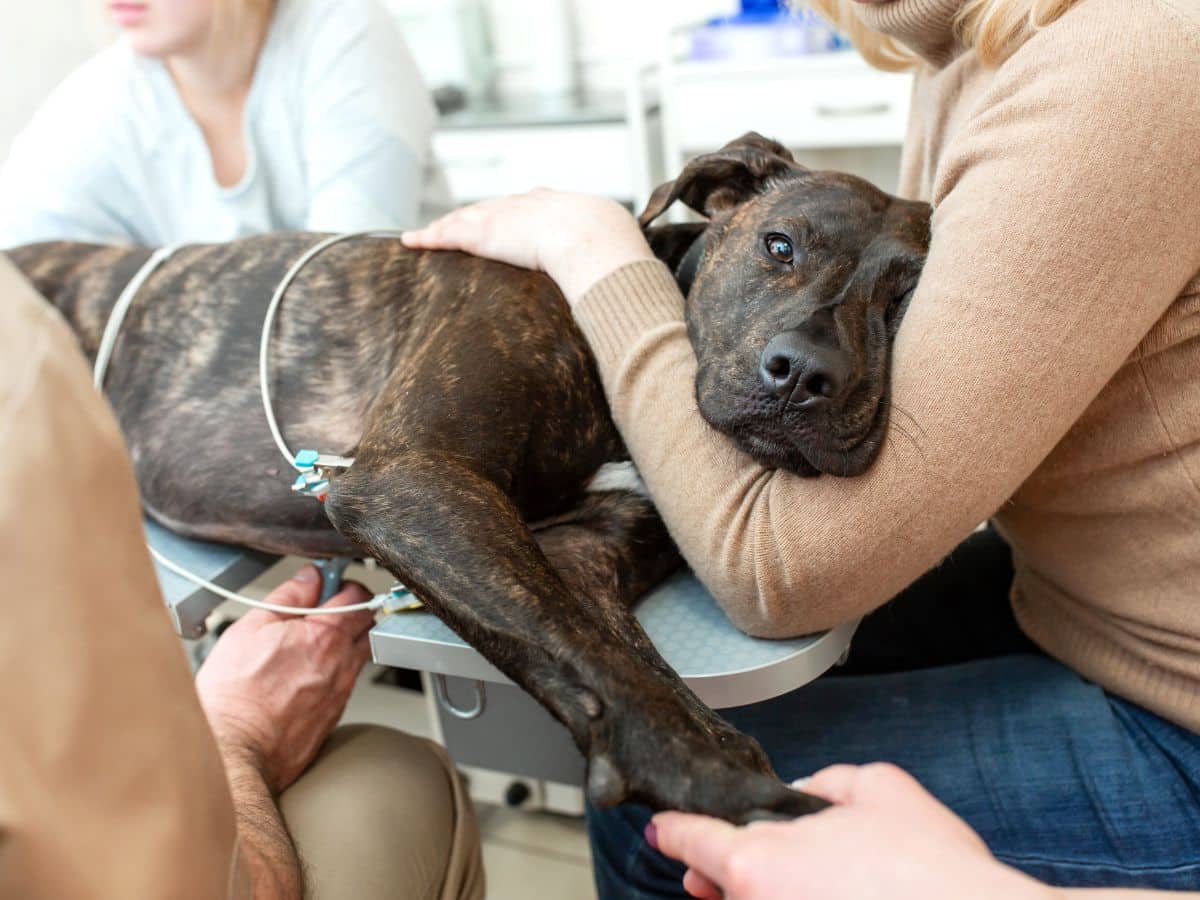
488	162
832	100
833	109
590	146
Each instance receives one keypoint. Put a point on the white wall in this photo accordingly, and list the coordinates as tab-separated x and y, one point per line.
40	42
607	34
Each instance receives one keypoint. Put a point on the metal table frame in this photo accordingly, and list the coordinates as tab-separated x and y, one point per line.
506	740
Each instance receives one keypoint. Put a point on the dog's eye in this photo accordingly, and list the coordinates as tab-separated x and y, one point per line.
779	247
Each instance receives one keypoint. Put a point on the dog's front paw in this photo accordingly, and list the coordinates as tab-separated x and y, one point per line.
683	761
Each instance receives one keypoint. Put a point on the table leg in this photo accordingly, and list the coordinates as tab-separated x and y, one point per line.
331	575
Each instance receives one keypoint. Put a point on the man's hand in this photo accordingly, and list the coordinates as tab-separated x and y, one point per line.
274	686
886	837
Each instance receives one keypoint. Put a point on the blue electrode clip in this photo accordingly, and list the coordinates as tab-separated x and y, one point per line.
314	468
401	599
313	481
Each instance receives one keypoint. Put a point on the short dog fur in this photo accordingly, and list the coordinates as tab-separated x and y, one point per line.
475	414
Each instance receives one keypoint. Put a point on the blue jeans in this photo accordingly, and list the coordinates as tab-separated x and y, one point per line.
1064	781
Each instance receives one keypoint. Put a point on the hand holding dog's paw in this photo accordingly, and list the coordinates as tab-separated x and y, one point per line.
706	766
885	837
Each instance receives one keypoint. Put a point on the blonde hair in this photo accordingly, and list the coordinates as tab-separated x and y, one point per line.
993	28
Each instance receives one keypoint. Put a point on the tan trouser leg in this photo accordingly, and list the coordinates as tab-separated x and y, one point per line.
383	814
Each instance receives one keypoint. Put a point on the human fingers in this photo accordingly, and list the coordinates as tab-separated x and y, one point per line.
701	842
349	665
885	789
457	230
883	784
833	783
302	590
874	784
353	624
362	649
700	887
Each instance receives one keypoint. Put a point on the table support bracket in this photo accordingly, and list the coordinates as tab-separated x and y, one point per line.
441	691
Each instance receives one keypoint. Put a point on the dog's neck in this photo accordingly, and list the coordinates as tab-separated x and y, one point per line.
680	247
685	272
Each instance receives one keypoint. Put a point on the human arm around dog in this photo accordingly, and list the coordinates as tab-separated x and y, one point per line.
1064	228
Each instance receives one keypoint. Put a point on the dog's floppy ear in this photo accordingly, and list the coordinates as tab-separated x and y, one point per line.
718	181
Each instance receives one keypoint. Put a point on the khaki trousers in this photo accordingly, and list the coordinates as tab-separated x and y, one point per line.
383	814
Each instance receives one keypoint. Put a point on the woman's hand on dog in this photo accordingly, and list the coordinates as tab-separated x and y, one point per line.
274	686
576	239
884	837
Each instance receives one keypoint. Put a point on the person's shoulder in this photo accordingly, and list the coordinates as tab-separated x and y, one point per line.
1115	24
95	93
1103	103
1106	74
1113	50
323	21
1181	14
85	128
358	41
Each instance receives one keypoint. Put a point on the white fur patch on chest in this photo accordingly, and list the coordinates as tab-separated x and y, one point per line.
618	476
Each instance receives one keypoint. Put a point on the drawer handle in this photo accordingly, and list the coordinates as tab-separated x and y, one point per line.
862	109
442	692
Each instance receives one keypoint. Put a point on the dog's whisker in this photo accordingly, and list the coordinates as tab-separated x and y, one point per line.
916	446
904	412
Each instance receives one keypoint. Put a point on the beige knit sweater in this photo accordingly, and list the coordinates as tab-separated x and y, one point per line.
1051	355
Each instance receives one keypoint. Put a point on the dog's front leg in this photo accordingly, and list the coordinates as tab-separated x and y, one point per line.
456	538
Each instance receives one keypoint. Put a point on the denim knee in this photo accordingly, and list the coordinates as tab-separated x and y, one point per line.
624	865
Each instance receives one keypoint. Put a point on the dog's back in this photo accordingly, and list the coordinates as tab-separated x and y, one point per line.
184	377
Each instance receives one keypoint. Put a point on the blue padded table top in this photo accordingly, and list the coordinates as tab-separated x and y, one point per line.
721	664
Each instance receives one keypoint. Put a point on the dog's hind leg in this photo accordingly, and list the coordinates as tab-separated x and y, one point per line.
457	539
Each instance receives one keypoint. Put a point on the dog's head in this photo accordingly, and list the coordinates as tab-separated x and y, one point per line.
795	288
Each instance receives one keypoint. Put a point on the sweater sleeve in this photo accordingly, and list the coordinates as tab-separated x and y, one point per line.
368	120
1067	210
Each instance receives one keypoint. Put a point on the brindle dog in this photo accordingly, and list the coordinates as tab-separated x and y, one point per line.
473	408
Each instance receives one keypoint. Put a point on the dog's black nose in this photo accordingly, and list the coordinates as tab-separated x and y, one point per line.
796	366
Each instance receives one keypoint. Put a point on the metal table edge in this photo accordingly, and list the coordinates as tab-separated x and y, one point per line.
738	688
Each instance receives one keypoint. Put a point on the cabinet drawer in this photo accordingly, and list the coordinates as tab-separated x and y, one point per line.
491	162
832	110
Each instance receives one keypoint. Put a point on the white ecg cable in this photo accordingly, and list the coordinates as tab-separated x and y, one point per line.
264	345
116	318
375	602
108	341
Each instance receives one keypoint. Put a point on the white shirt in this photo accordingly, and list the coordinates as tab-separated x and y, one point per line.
337	127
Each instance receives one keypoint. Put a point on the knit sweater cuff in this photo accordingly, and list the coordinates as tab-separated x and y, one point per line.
624	305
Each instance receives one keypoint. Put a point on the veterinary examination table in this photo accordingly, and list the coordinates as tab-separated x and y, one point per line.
514	751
